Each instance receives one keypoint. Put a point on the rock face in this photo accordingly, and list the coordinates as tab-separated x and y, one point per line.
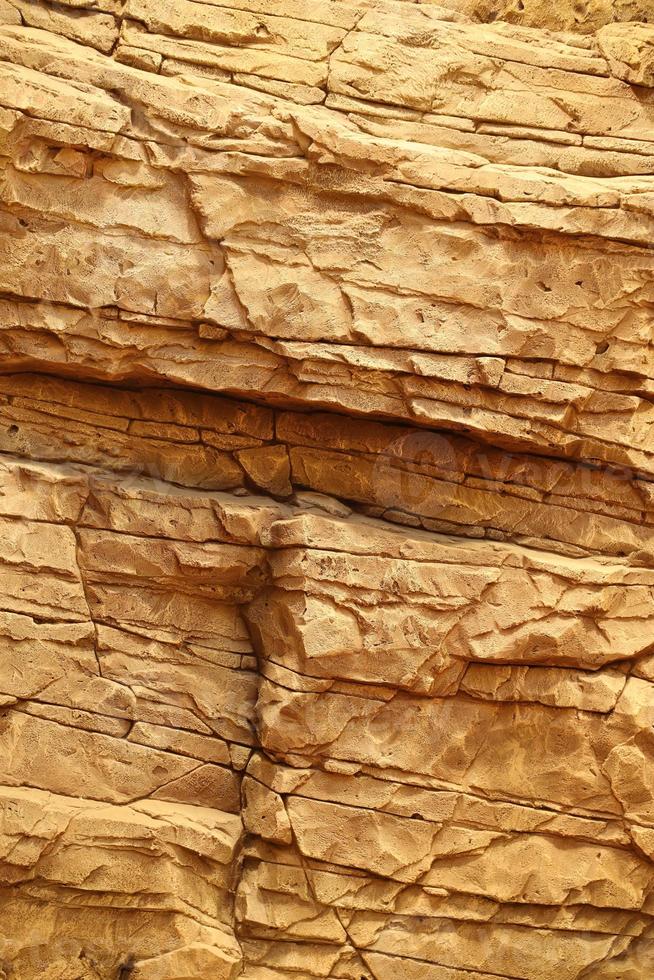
326	490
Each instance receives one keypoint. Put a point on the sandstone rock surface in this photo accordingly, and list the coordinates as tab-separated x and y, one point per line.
326	490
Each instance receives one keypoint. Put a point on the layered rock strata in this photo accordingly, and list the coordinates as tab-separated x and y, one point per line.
326	490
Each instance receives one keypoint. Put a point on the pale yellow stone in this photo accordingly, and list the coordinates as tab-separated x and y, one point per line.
629	50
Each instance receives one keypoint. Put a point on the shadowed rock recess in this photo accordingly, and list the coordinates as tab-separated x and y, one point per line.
326	490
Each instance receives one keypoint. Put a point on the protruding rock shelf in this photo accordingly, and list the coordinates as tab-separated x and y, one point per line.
326	490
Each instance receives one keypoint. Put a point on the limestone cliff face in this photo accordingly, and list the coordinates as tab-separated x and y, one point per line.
326	490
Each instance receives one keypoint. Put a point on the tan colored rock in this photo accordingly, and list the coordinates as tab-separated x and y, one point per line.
564	15
98	30
268	468
264	813
326	510
629	50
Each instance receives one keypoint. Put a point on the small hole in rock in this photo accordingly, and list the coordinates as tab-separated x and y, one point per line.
603	347
126	969
13	429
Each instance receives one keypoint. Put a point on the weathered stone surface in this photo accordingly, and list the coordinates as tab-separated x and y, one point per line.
565	15
629	49
326	509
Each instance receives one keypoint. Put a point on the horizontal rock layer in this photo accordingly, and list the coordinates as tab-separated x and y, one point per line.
326	469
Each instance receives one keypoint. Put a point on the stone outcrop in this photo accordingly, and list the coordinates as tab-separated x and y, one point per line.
326	490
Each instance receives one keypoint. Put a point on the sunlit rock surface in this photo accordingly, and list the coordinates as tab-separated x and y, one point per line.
326	490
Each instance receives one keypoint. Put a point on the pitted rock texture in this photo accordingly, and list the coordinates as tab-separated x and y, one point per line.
326	490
